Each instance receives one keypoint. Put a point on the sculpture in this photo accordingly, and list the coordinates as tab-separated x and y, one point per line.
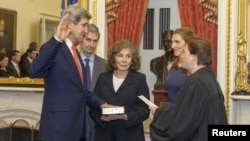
159	64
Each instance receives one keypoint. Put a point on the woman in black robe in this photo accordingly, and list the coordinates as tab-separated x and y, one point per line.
199	103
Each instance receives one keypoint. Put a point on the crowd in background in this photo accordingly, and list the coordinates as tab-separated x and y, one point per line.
16	64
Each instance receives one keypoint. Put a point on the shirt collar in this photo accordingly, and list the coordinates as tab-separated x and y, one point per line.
91	58
30	59
14	63
69	44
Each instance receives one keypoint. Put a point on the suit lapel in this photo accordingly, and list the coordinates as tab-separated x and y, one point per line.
69	58
12	67
128	79
96	69
109	79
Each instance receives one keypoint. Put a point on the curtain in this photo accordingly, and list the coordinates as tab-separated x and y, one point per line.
129	21
192	16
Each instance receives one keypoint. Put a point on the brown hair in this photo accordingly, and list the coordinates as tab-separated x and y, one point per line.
202	48
117	47
33	45
185	33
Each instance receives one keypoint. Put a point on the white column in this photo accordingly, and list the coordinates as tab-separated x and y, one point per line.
97	8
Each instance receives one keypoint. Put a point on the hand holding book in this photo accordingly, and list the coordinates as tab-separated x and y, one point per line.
151	105
113	113
148	102
111	117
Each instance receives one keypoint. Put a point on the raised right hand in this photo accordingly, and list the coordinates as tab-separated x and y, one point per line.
63	30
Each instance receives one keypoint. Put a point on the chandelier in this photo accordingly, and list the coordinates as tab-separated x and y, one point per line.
211	10
110	9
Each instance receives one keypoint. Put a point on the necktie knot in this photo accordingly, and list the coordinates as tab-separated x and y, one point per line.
75	45
87	61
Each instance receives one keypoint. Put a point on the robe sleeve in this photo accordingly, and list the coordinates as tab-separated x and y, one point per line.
185	117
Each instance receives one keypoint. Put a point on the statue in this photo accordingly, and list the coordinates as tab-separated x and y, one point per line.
159	64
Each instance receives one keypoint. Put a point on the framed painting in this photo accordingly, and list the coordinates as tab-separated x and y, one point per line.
8	23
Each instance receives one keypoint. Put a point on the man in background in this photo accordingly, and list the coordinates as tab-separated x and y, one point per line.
31	45
96	64
26	62
13	65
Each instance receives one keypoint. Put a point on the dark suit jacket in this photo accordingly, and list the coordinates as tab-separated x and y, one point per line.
99	67
127	95
65	99
4	73
12	70
25	66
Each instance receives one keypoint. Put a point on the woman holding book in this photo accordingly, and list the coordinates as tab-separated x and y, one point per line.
121	85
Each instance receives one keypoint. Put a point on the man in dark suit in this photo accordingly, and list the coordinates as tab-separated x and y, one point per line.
31	45
65	96
13	65
97	65
26	62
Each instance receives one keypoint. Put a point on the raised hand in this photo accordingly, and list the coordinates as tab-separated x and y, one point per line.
63	30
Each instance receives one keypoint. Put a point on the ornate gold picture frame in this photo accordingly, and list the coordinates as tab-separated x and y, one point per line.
241	85
21	82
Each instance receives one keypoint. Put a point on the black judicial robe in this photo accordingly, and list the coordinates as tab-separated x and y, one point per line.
199	103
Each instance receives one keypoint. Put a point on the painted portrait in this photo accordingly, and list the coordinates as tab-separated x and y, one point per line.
7	30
